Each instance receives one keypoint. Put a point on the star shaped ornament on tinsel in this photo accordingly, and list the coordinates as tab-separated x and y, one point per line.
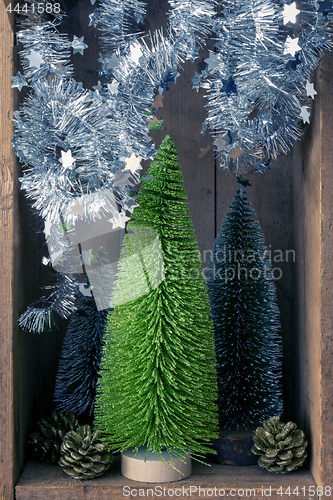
78	45
67	159
169	76
121	179
196	79
229	86
35	59
136	52
130	205
289	13
291	46
133	163
99	86
202	66
212	61
305	115
19	81
113	87
293	63
310	90
119	220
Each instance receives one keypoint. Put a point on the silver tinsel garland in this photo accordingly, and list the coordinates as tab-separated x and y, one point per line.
118	22
60	299
65	119
137	65
191	23
81	149
258	89
45	52
34	13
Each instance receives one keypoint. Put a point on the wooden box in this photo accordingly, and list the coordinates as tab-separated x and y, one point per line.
295	205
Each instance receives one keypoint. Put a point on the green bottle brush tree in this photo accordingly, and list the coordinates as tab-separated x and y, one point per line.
158	379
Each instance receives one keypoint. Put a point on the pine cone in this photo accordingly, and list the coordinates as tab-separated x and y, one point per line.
282	447
45	443
83	455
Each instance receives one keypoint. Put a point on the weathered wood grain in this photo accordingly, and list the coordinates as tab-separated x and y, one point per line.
313	235
40	482
326	273
8	173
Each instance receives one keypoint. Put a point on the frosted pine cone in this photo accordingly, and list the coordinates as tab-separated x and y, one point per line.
83	455
282	447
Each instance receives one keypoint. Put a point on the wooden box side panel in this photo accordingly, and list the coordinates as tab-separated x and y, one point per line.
313	317
19	279
7	236
324	475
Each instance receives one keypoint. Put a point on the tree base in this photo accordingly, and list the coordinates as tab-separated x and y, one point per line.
234	448
147	466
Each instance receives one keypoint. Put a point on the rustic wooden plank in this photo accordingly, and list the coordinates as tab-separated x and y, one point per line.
8	174
18	354
313	183
217	481
326	326
306	158
326	278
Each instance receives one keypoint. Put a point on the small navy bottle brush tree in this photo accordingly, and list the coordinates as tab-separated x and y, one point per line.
157	390
246	322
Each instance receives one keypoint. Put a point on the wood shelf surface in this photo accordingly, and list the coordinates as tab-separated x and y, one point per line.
49	482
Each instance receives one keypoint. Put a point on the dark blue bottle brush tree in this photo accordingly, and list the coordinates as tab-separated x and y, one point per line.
246	320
